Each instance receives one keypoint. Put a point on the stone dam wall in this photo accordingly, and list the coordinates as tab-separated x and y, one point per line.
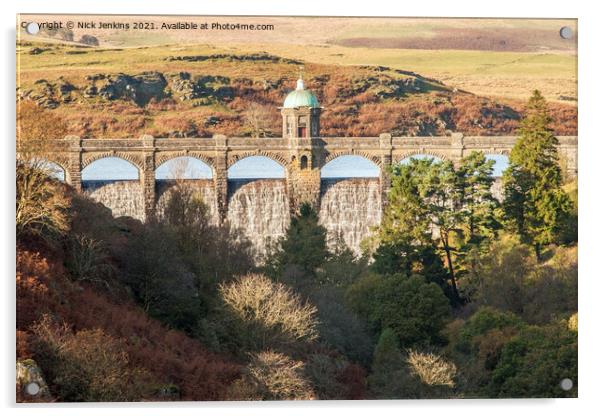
123	198
349	207
260	209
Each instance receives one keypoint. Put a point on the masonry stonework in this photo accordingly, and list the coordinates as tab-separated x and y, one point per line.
302	158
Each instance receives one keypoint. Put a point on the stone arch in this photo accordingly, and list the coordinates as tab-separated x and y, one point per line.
62	163
89	158
163	157
372	158
276	157
425	152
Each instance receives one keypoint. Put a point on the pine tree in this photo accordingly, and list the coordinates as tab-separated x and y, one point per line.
535	205
434	206
387	367
304	244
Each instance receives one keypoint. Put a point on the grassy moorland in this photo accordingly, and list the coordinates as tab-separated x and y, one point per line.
502	58
200	90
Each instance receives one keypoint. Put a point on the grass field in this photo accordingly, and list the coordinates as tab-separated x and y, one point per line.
538	57
495	74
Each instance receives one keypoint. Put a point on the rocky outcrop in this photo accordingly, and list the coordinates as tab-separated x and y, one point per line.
49	94
252	57
140	88
203	89
31	385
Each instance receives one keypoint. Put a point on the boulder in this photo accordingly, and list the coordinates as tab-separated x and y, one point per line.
141	88
31	385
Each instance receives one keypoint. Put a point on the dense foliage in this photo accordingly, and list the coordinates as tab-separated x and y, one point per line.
536	206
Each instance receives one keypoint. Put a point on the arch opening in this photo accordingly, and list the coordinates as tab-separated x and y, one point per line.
54	170
420	156
109	169
256	167
500	165
183	167
350	166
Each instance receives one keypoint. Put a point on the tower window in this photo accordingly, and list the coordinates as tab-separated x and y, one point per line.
303	162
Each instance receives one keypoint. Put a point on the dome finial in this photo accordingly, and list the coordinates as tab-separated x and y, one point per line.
300	84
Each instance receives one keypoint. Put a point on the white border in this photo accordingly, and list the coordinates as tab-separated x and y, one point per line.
590	204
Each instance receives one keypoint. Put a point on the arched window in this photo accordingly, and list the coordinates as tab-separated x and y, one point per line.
303	162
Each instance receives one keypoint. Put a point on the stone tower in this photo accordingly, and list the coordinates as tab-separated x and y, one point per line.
301	127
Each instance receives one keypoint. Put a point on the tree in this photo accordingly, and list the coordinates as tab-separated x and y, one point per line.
535	205
407	258
432	204
413	308
214	254
533	363
259	119
273	376
154	271
304	244
40	204
262	314
475	177
387	367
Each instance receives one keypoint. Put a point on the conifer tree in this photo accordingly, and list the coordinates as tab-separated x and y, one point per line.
387	367
304	244
535	205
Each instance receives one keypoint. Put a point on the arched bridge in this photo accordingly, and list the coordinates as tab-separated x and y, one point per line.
295	155
342	208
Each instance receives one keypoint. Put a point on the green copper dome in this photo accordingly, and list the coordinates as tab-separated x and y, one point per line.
300	98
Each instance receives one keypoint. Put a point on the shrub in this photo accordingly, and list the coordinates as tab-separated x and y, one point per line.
41	204
89	40
88	365
272	376
323	370
485	320
431	368
573	322
266	314
36	285
534	362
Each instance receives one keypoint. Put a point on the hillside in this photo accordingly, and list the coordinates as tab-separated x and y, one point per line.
197	91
